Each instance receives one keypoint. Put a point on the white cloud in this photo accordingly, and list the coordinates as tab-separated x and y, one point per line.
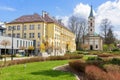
117	34
7	8
109	9
81	10
64	19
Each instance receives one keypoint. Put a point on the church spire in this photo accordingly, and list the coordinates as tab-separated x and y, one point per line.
91	12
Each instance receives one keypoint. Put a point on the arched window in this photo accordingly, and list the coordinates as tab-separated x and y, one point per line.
90	29
96	46
90	24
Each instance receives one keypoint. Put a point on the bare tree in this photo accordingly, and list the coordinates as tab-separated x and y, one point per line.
105	26
78	27
5	43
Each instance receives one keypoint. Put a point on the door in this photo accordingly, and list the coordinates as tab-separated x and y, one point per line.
91	47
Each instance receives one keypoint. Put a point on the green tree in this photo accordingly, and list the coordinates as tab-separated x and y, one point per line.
110	39
111	46
105	47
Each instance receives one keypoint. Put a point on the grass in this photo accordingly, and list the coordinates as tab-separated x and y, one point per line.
36	71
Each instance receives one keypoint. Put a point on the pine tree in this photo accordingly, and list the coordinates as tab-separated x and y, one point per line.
110	39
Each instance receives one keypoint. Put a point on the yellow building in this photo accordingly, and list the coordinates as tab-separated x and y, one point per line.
43	29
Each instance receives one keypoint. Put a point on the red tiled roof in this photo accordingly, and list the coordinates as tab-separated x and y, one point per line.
50	19
28	18
37	18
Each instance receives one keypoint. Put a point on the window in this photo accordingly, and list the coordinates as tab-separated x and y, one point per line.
31	27
18	35
9	27
38	35
9	35
26	44
96	46
31	35
25	28
20	43
38	44
31	44
14	27
13	34
24	35
17	43
23	43
18	27
90	29
39	26
90	24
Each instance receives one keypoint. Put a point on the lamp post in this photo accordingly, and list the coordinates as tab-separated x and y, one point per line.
12	43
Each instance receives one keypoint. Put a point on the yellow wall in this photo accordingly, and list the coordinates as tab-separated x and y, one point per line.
56	34
27	31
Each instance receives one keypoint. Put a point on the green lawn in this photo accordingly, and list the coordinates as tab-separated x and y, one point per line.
36	71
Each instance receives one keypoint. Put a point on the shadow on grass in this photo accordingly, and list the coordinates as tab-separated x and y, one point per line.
51	73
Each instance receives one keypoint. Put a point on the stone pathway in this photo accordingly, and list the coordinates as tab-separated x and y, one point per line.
67	68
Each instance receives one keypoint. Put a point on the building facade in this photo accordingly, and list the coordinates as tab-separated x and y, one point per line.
92	39
17	43
43	29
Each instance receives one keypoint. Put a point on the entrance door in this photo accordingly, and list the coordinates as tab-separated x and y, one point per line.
91	47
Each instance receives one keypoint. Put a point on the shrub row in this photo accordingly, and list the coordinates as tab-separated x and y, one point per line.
80	65
38	59
74	56
105	55
114	61
93	72
23	61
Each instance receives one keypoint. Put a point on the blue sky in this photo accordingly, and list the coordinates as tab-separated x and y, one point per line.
110	9
11	9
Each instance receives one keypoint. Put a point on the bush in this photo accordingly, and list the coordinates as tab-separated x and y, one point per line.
23	61
90	57
74	56
105	55
95	73
78	65
114	61
57	58
1	57
116	49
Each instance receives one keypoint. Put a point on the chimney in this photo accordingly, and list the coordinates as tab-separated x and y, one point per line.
60	21
44	13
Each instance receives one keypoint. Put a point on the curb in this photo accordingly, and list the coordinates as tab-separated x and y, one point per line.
55	68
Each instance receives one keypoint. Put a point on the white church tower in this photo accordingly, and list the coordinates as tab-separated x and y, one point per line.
92	39
91	23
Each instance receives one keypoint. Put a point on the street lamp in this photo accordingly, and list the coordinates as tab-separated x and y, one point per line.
12	43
